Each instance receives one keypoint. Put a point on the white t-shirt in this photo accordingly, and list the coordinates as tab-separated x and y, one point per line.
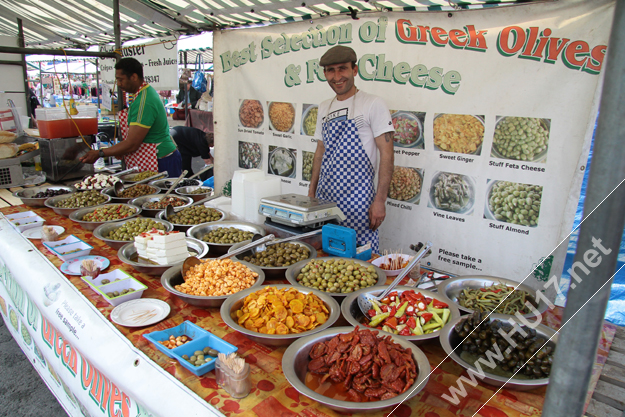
370	114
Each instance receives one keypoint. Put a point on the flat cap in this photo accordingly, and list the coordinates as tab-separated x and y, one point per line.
338	55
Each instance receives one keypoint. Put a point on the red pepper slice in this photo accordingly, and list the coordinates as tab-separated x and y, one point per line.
371	313
440	304
416	298
393	311
384	308
392	322
402	319
497	290
411	322
428	300
405	332
427	316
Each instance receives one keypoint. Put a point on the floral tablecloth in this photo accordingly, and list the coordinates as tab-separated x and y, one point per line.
271	394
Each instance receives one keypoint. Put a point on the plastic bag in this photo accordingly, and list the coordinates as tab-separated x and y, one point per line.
199	80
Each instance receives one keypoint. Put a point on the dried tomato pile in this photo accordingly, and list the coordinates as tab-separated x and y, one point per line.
370	366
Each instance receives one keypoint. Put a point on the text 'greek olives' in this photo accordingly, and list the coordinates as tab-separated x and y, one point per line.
195	215
226	235
109	212
83	199
337	275
280	254
133	228
515	203
521	138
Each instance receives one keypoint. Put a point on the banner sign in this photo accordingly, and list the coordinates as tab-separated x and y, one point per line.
159	59
493	111
88	365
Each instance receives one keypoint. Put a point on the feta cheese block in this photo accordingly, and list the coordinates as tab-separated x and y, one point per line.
168	260
161	247
154	252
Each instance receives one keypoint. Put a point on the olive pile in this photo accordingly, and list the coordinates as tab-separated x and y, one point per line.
183	183
132	228
227	235
280	255
200	190
200	357
84	199
337	275
50	193
118	293
307	165
109	212
195	215
143	175
161	204
137	191
516	203
520	138
529	357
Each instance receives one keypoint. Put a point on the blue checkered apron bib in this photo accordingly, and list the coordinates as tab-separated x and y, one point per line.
346	178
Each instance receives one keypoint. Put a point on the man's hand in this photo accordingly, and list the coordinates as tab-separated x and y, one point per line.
208	161
377	213
90	157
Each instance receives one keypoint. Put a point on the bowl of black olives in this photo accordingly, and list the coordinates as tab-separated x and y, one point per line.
277	258
477	341
35	197
220	236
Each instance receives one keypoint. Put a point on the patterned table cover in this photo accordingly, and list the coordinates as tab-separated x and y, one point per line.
271	394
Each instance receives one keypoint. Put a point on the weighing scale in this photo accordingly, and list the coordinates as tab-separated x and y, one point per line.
301	211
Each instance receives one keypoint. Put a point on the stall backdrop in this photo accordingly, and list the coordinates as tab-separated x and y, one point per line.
495	109
159	58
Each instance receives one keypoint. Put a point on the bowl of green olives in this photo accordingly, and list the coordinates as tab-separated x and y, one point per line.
117	234
277	258
196	192
220	236
91	217
531	358
68	203
131	192
335	275
128	255
143	202
188	217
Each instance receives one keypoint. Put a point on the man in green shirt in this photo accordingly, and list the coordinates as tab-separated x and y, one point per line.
147	124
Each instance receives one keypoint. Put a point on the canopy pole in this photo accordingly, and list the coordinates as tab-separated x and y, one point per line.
97	82
22	44
56	52
41	83
118	48
598	244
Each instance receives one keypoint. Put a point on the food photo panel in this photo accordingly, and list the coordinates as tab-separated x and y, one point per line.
281	161
521	138
281	116
307	163
406	184
458	133
513	202
251	114
408	129
452	192
309	119
250	155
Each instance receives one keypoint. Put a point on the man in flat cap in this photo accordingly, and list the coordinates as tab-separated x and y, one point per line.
352	128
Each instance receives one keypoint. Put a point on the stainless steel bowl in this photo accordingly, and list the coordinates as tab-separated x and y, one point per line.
165	183
468	209
269	105
452	287
128	252
293	271
104	229
418	142
478	150
295	366
235	302
140	201
173	276
52	201
80	213
539	157
273	272
185	227
488	213
26	194
218	249
450	340
353	315
110	191
291	172
130	178
196	197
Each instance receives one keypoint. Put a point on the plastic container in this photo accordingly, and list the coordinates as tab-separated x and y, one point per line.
186	328
238	385
67	252
55	123
116	275
120	285
210	341
67	241
255	190
25	220
239	179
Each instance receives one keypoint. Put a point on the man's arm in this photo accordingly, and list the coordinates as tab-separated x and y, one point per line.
136	134
377	211
316	169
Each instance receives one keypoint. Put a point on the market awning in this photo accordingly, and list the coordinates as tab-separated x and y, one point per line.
80	23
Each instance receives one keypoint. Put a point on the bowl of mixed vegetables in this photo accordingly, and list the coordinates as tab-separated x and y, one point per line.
408	129
418	315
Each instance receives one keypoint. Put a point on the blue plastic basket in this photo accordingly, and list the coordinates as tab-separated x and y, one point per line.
210	341
192	330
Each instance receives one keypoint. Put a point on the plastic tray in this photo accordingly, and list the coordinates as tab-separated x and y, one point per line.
118	274
25	220
186	328
120	285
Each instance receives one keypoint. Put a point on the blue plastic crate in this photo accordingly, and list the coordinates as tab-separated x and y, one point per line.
210	341
192	330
